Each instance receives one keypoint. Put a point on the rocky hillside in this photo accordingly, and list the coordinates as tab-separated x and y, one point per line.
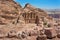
9	10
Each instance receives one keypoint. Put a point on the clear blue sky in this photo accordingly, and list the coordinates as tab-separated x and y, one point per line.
45	4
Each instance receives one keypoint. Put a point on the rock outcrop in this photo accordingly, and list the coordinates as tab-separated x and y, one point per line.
9	10
50	32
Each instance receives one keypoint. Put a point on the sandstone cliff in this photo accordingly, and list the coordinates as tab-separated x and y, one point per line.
9	10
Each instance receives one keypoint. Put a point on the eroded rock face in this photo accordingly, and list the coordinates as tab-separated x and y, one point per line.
2	34
50	32
9	10
58	31
42	36
12	33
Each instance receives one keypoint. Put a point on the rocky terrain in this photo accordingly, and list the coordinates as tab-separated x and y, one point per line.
39	26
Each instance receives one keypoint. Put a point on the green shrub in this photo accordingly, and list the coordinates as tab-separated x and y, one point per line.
45	23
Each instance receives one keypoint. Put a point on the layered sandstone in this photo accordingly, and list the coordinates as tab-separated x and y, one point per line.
9	10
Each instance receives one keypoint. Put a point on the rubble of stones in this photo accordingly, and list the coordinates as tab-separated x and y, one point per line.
14	25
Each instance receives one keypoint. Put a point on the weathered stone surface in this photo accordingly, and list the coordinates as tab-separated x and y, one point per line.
41	37
2	34
58	31
9	11
33	33
21	35
12	33
50	32
58	35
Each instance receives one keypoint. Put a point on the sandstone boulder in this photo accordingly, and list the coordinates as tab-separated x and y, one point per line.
50	32
21	35
12	33
58	35
41	37
33	32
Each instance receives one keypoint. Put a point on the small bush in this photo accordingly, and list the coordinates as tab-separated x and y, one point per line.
45	23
